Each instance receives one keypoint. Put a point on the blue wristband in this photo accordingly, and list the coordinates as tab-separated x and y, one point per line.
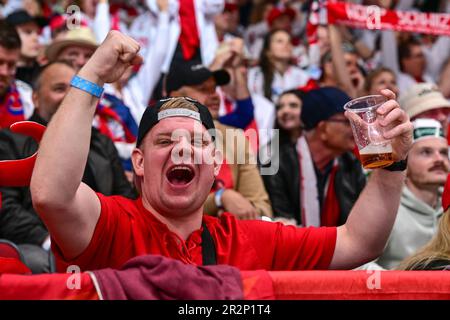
86	85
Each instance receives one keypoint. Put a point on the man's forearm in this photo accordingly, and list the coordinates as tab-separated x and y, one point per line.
373	215
241	86
342	76
371	219
150	71
64	148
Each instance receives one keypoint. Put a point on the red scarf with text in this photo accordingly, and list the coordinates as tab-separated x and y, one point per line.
377	18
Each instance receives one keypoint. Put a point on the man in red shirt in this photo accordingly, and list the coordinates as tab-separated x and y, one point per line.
94	231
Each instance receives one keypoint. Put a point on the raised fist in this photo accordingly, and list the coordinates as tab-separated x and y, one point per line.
112	58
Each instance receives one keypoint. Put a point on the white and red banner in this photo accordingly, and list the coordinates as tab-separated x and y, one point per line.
376	18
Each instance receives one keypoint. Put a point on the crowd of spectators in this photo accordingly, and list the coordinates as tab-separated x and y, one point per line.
254	66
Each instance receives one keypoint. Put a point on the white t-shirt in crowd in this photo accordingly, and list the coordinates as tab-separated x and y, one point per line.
294	77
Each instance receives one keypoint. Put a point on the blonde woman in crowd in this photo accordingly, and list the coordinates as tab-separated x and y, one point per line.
436	254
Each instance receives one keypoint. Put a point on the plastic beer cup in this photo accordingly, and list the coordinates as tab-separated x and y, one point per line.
375	151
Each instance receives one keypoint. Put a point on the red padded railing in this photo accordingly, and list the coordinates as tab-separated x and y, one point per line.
358	285
301	285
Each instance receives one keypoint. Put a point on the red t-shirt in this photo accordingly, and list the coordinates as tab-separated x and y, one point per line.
126	229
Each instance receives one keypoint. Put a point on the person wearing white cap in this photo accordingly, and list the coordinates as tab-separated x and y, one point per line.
424	100
420	205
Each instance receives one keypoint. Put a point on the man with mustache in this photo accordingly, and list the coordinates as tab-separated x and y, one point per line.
15	96
420	204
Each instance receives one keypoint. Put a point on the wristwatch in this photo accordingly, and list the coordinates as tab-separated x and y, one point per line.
398	166
218	198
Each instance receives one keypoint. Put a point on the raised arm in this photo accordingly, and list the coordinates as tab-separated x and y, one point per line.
150	72
389	51
343	78
232	60
370	222
435	57
69	208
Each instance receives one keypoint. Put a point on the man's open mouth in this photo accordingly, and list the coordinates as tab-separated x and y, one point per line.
180	175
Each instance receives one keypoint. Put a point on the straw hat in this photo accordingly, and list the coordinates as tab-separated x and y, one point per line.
81	37
422	97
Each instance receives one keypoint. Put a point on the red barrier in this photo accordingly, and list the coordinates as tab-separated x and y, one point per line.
55	286
297	285
361	285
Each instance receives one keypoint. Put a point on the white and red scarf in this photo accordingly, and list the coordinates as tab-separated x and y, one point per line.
310	214
377	18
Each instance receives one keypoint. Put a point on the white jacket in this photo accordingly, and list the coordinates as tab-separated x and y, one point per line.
405	81
143	28
294	77
25	93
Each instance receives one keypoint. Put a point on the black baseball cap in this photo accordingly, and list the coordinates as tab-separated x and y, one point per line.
191	73
21	17
152	115
321	104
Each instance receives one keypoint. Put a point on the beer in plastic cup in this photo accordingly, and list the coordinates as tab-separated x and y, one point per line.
375	151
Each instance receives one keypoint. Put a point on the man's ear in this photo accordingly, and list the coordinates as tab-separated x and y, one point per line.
218	160
322	130
137	158
35	99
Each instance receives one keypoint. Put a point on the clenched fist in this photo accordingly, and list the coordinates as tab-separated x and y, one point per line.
112	58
